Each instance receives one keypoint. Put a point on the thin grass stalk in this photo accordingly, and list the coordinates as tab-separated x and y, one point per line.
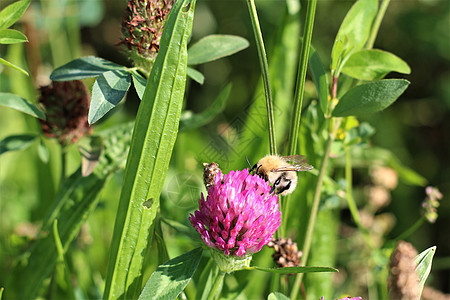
265	74
377	22
313	215
217	285
301	76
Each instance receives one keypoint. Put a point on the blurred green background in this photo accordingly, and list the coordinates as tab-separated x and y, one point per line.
416	127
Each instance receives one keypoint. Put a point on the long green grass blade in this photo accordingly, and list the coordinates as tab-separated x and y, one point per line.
151	148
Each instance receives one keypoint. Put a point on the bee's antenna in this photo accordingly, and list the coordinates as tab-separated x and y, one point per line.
250	166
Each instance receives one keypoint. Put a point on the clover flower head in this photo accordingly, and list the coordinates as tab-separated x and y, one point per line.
239	215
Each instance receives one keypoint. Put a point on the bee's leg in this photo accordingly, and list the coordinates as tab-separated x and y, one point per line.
277	182
272	189
284	188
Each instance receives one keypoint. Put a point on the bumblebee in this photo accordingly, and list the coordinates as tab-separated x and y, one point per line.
281	171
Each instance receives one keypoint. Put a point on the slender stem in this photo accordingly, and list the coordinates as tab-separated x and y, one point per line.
301	76
63	164
313	215
377	23
265	74
217	285
410	230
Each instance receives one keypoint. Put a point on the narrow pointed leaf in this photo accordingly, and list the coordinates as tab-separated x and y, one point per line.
291	270
18	103
7	63
215	46
16	142
43	152
424	261
108	90
139	83
277	296
370	97
170	278
12	13
371	64
154	136
195	75
85	67
11	36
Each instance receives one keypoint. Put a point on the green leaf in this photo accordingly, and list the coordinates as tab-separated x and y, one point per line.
423	269
370	97
16	142
195	75
108	90
90	150
170	278
139	83
43	152
277	296
85	67
355	29
12	13
11	36
373	64
18	103
7	63
215	46
189	120
292	270
152	144
319	76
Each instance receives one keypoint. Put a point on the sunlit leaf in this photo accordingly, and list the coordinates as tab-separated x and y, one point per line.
11	36
195	75
190	120
371	64
424	261
170	278
108	90
18	103
12	13
85	67
277	296
139	83
215	46
16	142
355	29
7	63
370	97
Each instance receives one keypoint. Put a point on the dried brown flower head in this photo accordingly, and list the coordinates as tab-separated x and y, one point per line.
66	106
286	252
142	27
209	174
403	281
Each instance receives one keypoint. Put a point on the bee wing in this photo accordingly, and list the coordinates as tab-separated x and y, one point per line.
298	163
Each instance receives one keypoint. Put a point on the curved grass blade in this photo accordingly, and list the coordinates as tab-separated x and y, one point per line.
18	103
7	63
84	67
154	136
215	46
108	90
170	278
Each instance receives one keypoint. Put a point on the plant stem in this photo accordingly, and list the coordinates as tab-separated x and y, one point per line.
265	74
217	285
410	230
313	215
63	164
301	76
377	23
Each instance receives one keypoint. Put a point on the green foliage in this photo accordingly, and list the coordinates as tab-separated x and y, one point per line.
11	36
214	47
292	270
277	296
371	64
370	97
151	147
20	104
170	278
319	77
16	142
424	261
